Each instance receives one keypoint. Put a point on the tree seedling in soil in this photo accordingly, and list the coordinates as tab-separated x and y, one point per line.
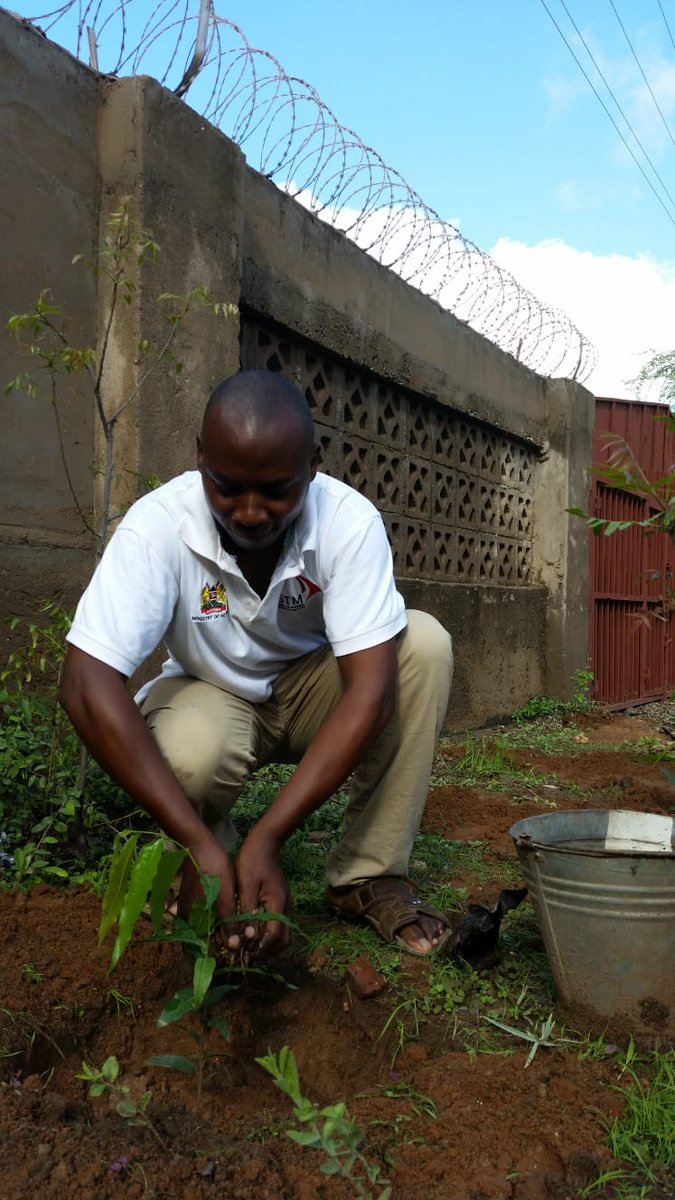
132	882
106	1079
329	1129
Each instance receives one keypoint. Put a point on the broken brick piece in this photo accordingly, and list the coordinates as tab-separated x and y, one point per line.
363	977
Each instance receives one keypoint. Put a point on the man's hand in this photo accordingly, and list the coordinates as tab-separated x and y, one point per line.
261	885
211	859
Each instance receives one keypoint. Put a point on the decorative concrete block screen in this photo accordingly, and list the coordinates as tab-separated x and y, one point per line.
456	495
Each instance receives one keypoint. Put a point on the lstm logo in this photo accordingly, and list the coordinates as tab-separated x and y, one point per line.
297	593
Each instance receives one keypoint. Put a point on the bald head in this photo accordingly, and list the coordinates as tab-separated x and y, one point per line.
257	460
260	403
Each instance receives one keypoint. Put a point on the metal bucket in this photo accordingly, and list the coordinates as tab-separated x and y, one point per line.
603	887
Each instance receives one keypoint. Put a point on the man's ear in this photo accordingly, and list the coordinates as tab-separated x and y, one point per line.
315	460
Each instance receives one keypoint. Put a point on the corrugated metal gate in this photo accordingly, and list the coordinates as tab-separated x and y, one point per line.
632	650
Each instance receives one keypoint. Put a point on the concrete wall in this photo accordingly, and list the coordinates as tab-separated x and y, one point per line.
76	145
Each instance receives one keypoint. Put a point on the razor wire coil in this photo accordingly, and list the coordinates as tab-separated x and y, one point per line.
296	141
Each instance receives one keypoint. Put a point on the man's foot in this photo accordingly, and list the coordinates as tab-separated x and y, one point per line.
390	905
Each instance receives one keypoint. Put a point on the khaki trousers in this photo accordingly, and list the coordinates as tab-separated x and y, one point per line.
213	741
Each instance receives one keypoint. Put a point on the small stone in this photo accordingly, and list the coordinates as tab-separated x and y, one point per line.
365	980
318	959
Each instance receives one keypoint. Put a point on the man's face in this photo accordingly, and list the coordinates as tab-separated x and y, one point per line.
255	486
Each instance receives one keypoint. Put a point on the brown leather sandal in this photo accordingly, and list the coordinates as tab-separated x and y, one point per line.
388	903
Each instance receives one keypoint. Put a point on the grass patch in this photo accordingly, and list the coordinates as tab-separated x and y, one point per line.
642	1138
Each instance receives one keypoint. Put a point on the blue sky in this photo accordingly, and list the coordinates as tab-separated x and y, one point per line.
483	110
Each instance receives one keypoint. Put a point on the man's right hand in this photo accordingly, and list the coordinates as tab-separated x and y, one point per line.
210	859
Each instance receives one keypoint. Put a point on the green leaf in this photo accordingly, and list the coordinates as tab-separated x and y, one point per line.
334	1112
166	872
181	1003
201	979
110	1069
211	885
303	1137
127	1108
289	1073
174	1062
140	882
219	1024
215	994
183	933
113	898
263	916
96	1089
330	1168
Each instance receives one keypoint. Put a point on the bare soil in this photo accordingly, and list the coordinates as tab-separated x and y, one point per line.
501	1133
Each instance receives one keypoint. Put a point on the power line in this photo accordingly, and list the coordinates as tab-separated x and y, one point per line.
665	22
590	83
639	66
630	127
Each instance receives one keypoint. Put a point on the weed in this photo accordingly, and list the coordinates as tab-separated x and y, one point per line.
651	748
124	1005
539	706
543	1038
32	973
406	1020
329	1129
421	1105
54	833
644	1135
135	1111
583	680
549	706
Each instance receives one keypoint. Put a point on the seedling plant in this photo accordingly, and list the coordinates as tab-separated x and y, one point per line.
144	876
329	1129
134	1110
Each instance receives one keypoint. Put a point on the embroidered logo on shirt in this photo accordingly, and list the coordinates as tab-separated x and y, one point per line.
297	593
213	602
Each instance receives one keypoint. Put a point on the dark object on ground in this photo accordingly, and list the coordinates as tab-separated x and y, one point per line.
476	937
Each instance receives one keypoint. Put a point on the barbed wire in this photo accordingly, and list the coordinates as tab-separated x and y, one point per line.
295	140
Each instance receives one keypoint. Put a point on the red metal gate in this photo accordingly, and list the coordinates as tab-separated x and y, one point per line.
632	640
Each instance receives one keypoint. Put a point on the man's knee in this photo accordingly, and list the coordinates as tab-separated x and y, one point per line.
199	745
428	644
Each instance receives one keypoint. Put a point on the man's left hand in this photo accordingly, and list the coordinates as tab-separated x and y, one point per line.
261	885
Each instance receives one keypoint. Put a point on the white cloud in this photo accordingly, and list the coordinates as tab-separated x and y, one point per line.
626	306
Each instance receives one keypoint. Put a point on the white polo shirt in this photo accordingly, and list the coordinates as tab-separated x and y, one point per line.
165	577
